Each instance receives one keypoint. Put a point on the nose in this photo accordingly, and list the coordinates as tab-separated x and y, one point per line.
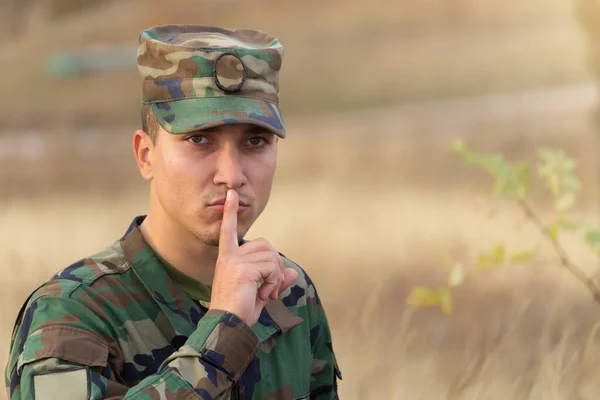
229	168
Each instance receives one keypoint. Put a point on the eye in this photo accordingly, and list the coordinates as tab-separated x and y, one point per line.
198	139
257	141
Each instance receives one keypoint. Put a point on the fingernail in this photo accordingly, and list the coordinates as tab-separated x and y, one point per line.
228	195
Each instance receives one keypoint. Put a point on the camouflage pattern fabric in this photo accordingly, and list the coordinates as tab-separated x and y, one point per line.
199	77
114	325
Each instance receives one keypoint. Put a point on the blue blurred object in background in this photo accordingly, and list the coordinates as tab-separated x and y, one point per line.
69	64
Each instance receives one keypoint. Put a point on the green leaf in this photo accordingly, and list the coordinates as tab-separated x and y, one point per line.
568	225
459	146
457	275
561	223
446	301
571	183
513	180
520	180
499	186
554	183
494	164
555	168
524	256
556	159
553	230
523	190
509	180
423	297
546	154
499	254
483	262
565	201
592	239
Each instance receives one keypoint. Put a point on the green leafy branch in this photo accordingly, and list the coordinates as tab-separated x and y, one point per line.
513	181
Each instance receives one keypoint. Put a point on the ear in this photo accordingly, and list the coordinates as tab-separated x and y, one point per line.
142	150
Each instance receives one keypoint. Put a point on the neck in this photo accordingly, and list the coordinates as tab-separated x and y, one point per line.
179	247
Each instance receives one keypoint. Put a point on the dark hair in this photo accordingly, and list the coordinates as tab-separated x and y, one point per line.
149	122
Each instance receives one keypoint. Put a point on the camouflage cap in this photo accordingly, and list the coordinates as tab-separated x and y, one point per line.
198	77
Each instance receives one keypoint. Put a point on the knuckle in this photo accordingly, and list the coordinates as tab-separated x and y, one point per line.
278	271
244	273
263	243
272	272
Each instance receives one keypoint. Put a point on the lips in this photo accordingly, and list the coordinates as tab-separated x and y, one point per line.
221	202
219	205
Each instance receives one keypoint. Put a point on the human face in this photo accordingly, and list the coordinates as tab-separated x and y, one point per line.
191	174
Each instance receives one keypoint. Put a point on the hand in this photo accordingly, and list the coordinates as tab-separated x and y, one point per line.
239	270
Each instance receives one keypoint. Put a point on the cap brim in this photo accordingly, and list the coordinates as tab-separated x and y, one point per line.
189	115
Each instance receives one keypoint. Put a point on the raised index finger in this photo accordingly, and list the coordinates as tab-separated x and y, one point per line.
228	239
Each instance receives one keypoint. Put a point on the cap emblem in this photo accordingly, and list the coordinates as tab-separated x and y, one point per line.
229	73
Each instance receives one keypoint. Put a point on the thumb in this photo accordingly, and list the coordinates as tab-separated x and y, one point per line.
289	276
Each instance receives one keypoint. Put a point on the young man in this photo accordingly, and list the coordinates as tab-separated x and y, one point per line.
182	306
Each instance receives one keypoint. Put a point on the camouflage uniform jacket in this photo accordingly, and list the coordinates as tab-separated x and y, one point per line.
114	325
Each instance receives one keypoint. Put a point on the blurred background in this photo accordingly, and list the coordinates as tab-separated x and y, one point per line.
368	197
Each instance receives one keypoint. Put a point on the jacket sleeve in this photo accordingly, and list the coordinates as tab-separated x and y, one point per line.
325	370
65	358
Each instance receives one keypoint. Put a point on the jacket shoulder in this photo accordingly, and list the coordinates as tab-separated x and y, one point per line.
52	306
109	261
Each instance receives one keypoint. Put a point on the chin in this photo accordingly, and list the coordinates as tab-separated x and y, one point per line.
208	238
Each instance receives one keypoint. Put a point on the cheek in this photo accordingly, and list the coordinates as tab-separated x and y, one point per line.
263	172
176	164
177	175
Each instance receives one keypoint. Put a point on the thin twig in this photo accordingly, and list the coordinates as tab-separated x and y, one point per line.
560	251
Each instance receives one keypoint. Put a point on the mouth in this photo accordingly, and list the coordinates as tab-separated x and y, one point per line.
219	206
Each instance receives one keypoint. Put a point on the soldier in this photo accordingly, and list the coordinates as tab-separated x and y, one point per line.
182	306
